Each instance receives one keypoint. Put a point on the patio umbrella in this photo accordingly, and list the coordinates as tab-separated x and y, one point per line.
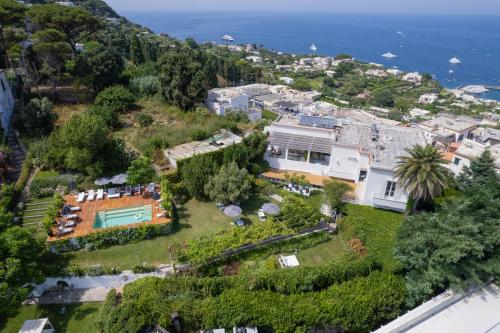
271	209
66	210
119	179
102	181
156	195
232	211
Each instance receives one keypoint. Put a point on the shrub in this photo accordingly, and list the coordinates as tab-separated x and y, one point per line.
144	120
107	113
199	134
145	85
44	184
144	268
238	116
118	98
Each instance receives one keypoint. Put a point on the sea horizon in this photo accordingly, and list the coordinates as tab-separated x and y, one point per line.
421	43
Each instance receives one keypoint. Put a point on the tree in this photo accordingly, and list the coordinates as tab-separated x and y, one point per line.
481	171
38	118
118	98
136	53
334	191
343	68
454	247
54	51
74	23
343	56
383	98
20	253
196	173
99	68
229	185
141	171
11	16
83	144
184	80
422	173
296	214
301	84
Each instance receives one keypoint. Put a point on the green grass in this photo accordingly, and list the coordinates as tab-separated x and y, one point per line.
197	220
76	317
375	227
269	115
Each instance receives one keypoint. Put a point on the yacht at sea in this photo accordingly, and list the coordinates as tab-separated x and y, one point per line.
389	55
228	38
455	61
313	48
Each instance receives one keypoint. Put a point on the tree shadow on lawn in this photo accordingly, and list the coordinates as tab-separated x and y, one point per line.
254	203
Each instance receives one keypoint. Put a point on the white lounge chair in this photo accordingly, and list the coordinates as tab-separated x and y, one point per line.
100	194
71	216
64	231
113	193
151	187
74	208
91	195
70	224
81	197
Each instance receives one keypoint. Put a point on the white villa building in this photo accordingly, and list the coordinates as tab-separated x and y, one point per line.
6	103
446	129
470	150
361	153
222	100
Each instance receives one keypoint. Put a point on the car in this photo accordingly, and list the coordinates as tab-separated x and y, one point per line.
221	206
239	223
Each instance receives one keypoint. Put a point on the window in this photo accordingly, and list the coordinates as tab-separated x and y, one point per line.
362	175
390	189
456	161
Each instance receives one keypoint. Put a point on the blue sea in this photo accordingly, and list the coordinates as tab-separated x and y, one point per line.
423	44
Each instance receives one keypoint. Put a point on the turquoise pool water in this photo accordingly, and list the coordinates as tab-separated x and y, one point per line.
122	216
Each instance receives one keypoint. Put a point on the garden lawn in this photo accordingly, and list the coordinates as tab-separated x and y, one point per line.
75	319
197	219
375	227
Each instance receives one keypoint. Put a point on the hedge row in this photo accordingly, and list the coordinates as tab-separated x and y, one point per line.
358	305
116	236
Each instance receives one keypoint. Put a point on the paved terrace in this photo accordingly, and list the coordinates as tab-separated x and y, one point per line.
87	215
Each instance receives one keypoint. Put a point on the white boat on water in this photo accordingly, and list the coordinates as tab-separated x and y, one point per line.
389	55
455	61
228	38
313	48
451	71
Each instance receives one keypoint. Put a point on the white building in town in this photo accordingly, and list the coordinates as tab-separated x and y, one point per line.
362	153
6	103
427	98
222	100
414	78
470	150
394	71
287	80
376	72
475	311
446	128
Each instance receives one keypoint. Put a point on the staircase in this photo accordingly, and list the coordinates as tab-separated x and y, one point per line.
360	193
17	156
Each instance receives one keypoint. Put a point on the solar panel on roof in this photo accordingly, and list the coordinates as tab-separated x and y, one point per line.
320	122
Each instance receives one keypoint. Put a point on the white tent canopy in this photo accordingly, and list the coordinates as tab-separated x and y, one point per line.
41	325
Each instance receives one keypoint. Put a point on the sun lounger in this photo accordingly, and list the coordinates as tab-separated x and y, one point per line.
70	224
74	208
64	231
100	194
137	189
113	193
151	187
160	215
128	191
81	197
71	216
91	195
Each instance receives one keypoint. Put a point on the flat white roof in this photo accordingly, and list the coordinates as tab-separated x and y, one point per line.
289	261
477	311
34	326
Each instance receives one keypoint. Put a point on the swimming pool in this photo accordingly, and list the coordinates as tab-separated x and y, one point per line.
122	216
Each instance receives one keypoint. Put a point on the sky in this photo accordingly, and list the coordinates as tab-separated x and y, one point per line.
439	7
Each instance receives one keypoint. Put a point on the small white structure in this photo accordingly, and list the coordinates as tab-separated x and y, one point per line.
416	112
394	71
306	61
377	72
414	78
287	80
6	103
215	330
254	58
476	311
187	150
288	261
42	325
427	98
245	330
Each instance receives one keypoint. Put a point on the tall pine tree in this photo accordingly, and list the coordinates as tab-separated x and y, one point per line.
136	53
480	172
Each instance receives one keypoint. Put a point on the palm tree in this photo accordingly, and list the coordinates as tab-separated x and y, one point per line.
422	173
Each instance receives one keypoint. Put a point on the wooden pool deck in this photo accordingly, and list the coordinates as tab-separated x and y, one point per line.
89	209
